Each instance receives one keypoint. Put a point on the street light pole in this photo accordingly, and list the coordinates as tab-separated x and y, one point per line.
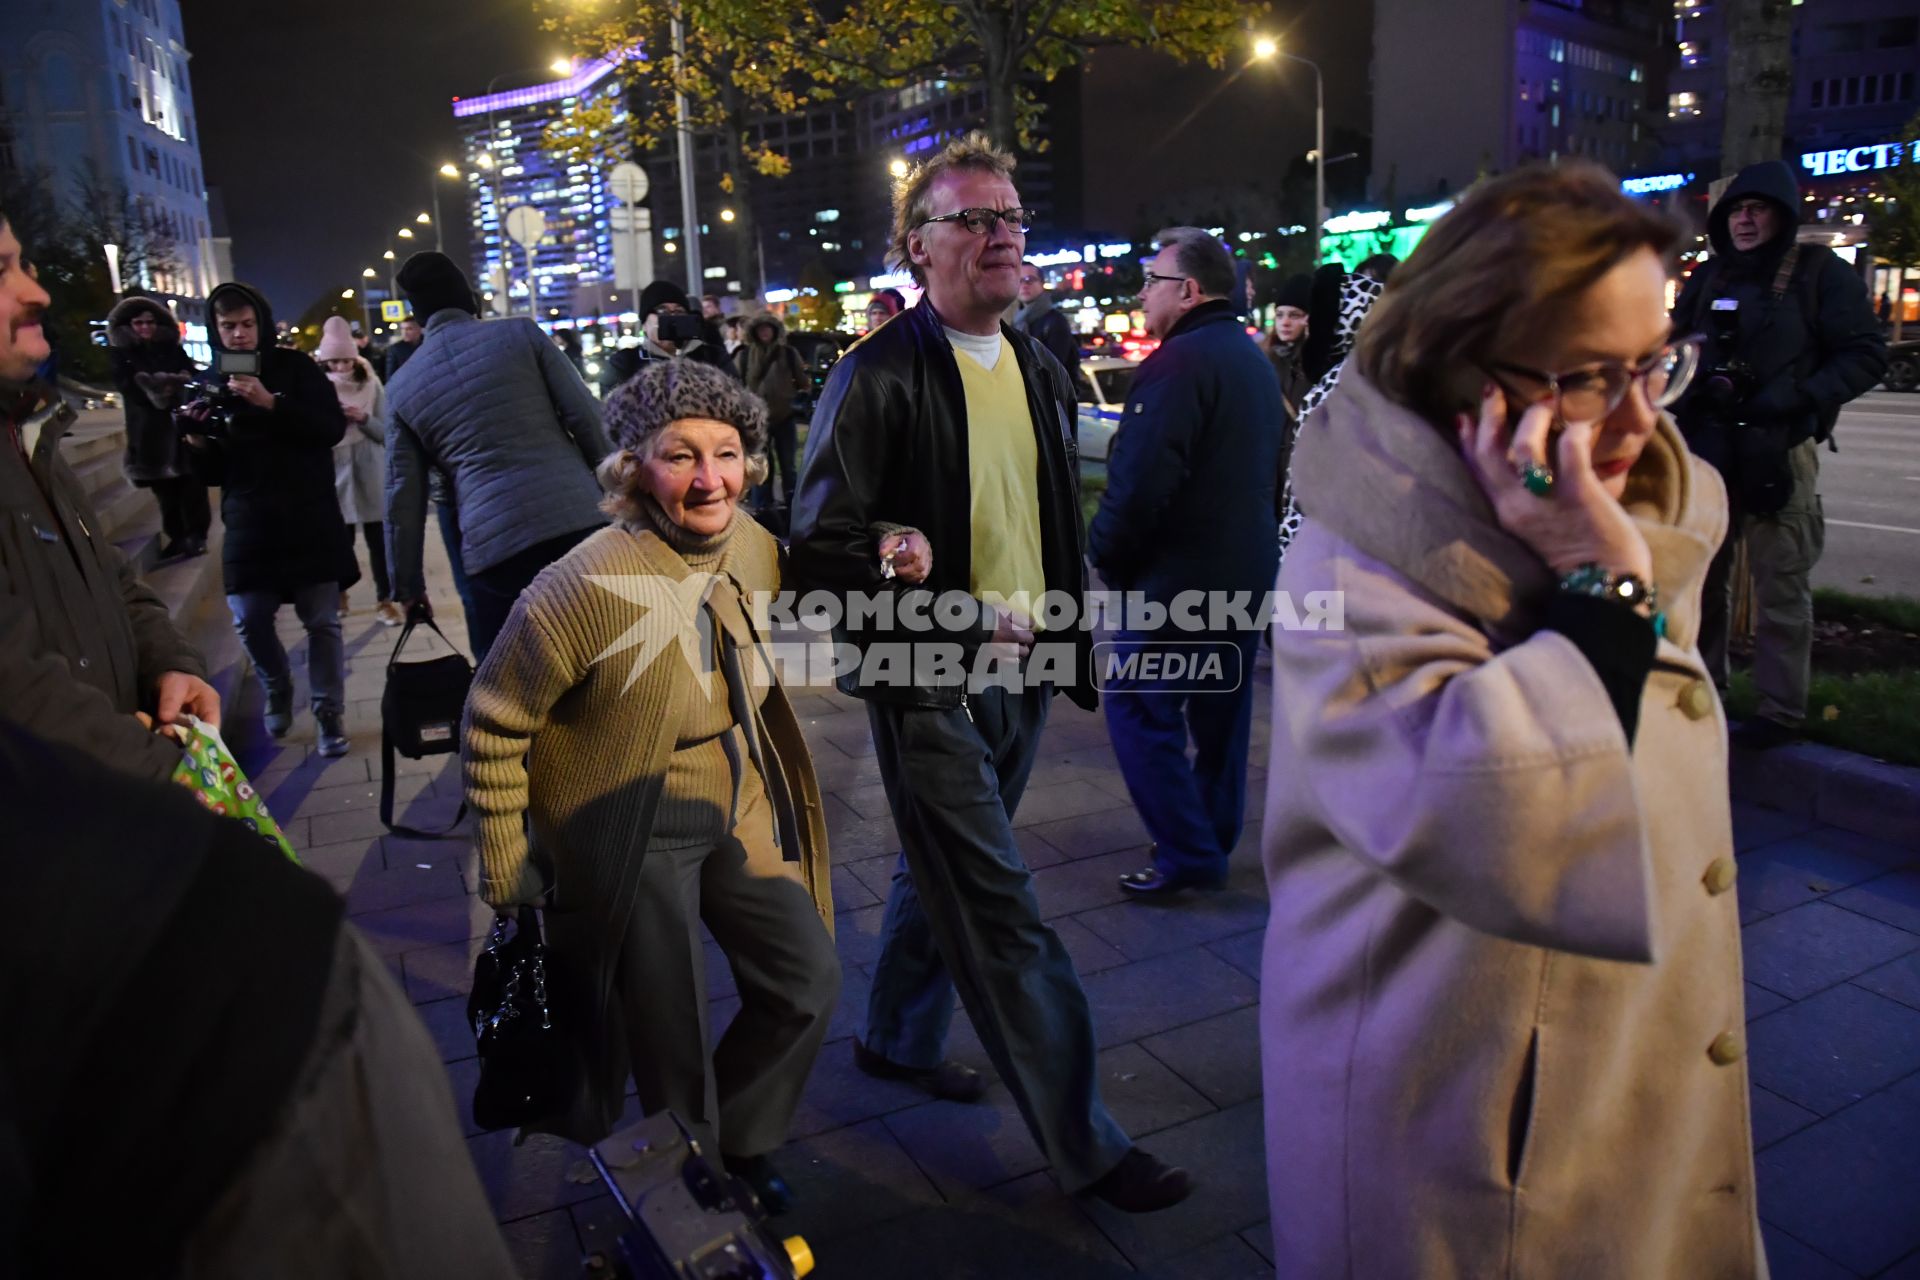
1267	47
689	205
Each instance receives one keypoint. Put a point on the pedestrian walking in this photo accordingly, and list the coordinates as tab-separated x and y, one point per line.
941	454
1194	470
360	459
666	790
494	406
1284	341
144	339
775	372
267	443
1047	325
1501	995
1791	337
398	353
86	647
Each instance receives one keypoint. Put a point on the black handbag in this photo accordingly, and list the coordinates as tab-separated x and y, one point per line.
529	1067
420	712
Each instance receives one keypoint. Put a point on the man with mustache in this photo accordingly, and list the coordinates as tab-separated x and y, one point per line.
941	464
88	655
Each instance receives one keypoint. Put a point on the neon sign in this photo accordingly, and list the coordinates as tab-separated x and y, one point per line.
1365	220
1882	155
1659	182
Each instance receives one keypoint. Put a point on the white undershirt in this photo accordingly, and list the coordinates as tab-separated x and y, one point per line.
983	347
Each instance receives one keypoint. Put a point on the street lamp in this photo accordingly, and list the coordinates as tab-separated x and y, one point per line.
423	219
726	215
366	302
1267	48
898	168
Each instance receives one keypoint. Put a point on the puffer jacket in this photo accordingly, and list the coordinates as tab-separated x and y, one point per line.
495	406
773	370
82	639
153	446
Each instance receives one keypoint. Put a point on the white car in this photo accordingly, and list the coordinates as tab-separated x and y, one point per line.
1100	417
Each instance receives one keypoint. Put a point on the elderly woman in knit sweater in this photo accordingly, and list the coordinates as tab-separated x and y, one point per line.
637	769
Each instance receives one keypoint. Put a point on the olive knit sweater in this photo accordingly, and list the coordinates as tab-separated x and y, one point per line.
602	716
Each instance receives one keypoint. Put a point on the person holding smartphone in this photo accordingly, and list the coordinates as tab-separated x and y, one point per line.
1502	995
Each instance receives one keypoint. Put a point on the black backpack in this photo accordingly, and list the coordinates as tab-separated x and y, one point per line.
420	713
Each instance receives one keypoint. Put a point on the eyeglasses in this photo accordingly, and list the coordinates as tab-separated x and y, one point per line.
980	221
1751	208
1590	394
1029	279
1155	275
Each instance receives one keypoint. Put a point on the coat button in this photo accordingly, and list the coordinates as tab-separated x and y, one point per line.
1727	1048
1720	876
1696	700
85	663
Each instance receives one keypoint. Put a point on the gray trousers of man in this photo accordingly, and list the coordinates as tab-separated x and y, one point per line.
1782	549
740	1098
962	914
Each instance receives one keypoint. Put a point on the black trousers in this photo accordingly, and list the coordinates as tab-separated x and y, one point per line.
376	540
496	587
185	511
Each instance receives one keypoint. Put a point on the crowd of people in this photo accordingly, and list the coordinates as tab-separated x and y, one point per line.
1501	1003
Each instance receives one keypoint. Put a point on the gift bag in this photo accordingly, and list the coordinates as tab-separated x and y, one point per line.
208	770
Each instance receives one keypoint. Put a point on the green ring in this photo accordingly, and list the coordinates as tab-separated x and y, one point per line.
1537	479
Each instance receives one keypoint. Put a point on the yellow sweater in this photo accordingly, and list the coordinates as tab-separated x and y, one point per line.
1003	466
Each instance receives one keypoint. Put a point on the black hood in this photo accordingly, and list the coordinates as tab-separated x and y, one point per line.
263	314
1770	180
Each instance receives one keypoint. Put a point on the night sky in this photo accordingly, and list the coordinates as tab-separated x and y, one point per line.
322	125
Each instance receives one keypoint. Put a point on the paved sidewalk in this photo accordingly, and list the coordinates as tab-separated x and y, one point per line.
893	1185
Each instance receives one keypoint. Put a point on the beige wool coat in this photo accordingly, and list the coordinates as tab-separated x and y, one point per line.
1501	1004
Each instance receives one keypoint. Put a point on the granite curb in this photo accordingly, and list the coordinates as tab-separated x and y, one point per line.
1843	789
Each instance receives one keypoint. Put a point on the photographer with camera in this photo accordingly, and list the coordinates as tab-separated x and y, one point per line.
1789	338
673	330
262	427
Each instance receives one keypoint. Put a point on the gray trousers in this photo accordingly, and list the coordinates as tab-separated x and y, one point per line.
366	1173
1782	549
962	914
738	1100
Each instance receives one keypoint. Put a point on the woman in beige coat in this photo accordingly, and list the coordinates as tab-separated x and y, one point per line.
1501	1007
629	718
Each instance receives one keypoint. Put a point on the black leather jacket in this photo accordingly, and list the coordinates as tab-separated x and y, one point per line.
888	448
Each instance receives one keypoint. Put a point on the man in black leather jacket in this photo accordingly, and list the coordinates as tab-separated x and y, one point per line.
941	463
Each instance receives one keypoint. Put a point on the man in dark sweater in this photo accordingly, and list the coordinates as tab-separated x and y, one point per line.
84	644
192	1023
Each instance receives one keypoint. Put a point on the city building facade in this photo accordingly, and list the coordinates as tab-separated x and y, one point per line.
506	167
95	95
1479	86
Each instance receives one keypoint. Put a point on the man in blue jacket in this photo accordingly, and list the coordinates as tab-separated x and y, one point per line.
1189	512
496	408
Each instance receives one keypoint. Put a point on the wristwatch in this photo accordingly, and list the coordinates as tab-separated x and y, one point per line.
1627	589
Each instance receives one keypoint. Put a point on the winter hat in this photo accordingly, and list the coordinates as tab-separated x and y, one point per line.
433	283
336	341
1295	291
659	293
667	390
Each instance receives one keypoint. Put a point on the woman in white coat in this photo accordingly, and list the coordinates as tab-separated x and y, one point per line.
1501	1008
360	459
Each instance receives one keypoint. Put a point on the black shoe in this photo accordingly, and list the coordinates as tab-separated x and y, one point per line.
191	547
950	1081
1155	885
1762	734
333	734
279	711
775	1196
1143	1183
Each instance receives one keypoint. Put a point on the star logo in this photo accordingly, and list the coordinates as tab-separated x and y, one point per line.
670	612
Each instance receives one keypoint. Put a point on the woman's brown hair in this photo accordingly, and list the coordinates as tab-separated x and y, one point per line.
1499	266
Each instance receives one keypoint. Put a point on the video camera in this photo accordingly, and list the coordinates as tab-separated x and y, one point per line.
677	327
681	1217
208	404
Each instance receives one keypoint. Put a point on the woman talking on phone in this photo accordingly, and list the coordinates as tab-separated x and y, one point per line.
1502	1009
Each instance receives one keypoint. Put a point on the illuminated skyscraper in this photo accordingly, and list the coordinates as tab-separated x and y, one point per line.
506	167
